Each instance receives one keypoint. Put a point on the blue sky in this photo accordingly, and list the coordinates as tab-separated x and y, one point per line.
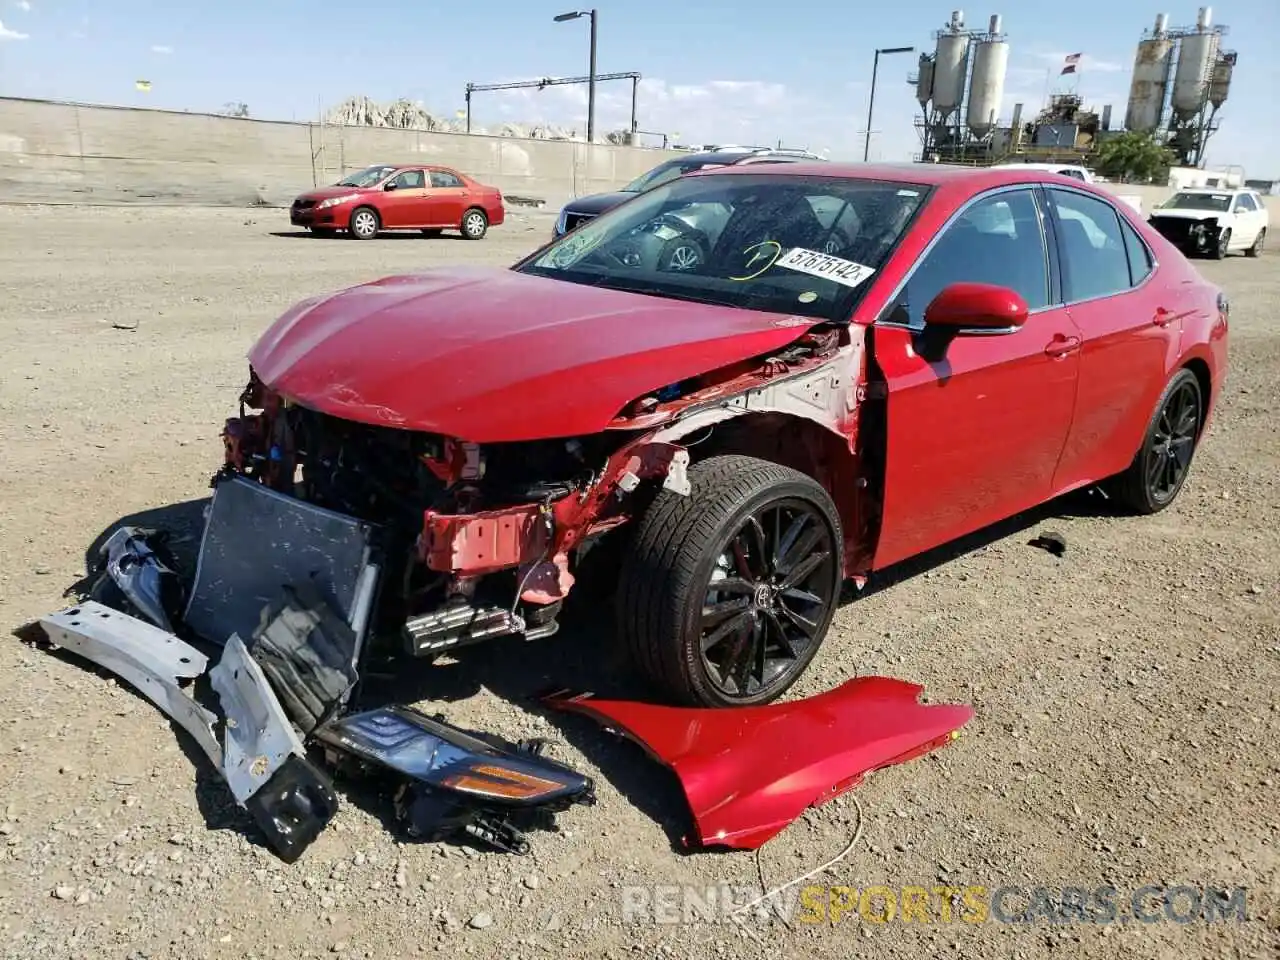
715	70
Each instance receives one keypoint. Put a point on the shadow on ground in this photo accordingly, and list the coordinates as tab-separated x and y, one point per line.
387	235
581	657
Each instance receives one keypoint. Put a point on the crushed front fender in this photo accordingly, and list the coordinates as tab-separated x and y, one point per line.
748	772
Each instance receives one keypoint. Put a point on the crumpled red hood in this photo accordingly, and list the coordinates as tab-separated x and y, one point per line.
492	355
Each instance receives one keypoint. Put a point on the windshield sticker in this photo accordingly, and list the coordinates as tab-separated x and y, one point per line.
816	264
807	297
908	193
759	258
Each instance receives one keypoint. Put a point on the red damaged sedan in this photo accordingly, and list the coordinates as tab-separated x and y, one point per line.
844	367
391	197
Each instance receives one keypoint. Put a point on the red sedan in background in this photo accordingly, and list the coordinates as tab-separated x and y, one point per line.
847	366
400	197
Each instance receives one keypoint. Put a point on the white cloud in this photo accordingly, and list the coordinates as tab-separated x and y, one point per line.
23	5
161	49
7	34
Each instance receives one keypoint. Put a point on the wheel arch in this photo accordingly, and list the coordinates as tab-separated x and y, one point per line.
804	445
1204	378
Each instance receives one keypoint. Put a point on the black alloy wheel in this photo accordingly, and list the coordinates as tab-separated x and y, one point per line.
1159	471
1172	442
767	595
726	594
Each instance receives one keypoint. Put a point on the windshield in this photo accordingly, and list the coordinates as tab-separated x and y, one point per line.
664	173
782	244
1199	201
366	177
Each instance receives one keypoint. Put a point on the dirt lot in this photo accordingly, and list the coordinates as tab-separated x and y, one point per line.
1127	720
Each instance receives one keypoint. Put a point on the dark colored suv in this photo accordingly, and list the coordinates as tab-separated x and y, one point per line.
579	211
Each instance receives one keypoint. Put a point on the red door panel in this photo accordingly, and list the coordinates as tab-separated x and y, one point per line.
1131	323
406	205
975	425
975	438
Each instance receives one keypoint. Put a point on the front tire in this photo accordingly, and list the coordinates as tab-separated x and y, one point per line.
1223	247
364	223
474	224
1255	251
725	595
1159	470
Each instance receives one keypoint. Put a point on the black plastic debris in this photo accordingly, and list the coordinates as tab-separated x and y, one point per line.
1055	543
454	785
134	574
305	649
293	807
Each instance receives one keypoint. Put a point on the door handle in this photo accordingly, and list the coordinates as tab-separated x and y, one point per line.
1061	345
1163	317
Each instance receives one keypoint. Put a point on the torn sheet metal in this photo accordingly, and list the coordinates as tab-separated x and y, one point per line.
148	658
456	783
749	772
265	764
146	581
256	540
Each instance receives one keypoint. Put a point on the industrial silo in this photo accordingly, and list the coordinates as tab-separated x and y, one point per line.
1220	83
986	86
949	63
924	81
1196	59
1150	72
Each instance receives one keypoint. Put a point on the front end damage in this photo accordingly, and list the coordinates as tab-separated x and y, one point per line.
1191	236
326	536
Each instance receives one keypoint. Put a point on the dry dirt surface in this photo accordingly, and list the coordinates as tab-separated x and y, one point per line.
1126	730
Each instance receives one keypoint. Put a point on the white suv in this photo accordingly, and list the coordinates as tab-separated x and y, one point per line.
1214	222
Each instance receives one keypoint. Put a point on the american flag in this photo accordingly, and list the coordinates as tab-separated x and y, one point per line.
1071	63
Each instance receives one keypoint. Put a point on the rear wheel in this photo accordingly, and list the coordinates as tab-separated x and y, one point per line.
474	224
364	223
1224	242
1256	249
725	595
1159	470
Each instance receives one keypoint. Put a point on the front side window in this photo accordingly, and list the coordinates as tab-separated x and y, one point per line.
760	241
998	240
1244	204
410	180
367	177
1095	258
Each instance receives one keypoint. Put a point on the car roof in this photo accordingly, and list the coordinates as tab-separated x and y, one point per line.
1215	190
923	174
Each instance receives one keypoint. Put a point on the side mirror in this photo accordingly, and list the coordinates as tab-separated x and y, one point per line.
390	185
976	308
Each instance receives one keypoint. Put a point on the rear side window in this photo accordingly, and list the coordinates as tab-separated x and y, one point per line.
441	178
1140	264
1095	256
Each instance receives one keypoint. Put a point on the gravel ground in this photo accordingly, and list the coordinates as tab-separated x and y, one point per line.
1126	723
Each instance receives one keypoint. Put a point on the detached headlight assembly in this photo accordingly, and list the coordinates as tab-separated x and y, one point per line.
334	201
453	782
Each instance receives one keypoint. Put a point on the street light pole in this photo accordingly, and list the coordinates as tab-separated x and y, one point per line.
591	76
871	101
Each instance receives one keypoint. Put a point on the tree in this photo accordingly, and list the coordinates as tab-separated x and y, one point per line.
236	109
1133	156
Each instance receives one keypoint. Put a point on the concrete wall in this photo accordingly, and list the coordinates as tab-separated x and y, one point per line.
92	154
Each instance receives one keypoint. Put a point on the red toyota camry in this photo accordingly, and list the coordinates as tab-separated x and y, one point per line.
755	382
390	197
